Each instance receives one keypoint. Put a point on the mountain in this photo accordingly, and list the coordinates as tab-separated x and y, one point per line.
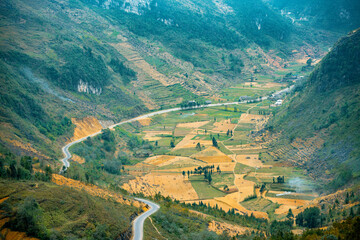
338	15
325	110
117	59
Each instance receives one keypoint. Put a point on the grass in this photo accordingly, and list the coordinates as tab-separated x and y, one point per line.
223	179
185	152
258	204
67	210
204	190
242	168
290	196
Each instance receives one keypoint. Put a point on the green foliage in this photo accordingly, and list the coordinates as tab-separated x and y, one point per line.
127	74
74	214
309	218
80	64
327	107
29	219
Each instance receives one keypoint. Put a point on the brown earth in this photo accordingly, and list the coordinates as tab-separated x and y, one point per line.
145	121
230	229
85	127
78	159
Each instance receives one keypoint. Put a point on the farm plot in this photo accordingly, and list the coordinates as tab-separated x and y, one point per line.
173	185
212	155
223	126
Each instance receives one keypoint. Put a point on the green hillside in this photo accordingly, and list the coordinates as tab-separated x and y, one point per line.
114	60
326	107
339	15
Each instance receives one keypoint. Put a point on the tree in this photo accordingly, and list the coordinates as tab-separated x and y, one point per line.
100	233
311	217
29	218
26	162
209	178
156	143
308	62
188	173
48	173
214	142
300	219
2	169
172	144
290	215
228	132
183	173
198	146
347	198
13	171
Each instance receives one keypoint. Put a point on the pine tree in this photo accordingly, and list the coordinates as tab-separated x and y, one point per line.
290	215
214	142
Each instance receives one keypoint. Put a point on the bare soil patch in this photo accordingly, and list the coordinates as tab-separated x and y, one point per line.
250	118
223	126
78	159
85	127
152	135
230	229
192	124
145	121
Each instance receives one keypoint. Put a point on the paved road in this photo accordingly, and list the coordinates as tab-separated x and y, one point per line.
138	224
67	154
139	221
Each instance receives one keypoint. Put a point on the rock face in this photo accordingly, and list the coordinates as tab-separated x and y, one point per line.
87	88
136	6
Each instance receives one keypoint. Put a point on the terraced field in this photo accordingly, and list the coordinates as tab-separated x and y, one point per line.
244	173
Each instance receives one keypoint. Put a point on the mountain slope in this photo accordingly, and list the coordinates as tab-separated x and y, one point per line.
116	59
326	108
338	15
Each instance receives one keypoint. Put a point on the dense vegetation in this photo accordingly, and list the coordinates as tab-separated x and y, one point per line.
340	15
327	106
48	211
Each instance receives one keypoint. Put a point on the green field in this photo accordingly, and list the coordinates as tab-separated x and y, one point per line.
205	191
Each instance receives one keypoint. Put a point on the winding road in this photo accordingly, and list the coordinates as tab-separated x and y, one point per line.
138	223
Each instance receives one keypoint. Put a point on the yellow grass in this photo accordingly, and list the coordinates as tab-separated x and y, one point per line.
151	135
223	126
230	229
251	160
145	121
93	190
192	124
187	142
173	185
250	118
212	155
78	159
